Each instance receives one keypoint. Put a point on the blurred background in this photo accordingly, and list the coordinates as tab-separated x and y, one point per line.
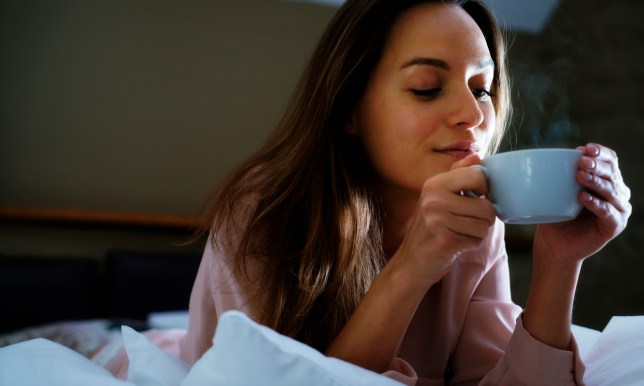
117	118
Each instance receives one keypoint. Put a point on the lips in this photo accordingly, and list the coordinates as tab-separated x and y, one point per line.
459	149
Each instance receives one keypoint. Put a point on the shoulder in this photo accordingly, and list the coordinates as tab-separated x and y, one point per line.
231	222
234	274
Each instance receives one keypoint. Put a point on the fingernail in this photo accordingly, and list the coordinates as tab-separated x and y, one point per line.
589	163
594	150
587	176
586	196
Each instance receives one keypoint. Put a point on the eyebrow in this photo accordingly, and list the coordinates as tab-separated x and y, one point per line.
441	63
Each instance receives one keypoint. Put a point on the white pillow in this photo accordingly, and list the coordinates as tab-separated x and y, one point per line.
586	339
149	365
43	362
617	358
246	353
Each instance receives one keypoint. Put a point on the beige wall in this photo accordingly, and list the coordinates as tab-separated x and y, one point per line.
141	106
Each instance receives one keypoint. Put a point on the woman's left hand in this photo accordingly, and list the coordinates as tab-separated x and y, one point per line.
606	211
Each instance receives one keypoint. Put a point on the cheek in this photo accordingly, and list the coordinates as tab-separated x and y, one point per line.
377	141
381	142
394	147
373	121
485	135
390	129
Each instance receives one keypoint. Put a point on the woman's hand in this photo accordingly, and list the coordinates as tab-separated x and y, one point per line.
605	214
446	223
560	248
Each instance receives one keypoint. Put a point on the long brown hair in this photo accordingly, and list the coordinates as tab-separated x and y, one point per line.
310	218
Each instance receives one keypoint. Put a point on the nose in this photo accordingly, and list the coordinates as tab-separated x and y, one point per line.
466	111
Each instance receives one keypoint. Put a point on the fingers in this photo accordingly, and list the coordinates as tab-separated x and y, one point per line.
461	179
613	221
442	198
601	161
600	174
470	160
450	235
462	215
471	226
446	223
615	193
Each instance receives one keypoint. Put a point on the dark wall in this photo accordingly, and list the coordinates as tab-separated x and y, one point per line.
580	81
141	106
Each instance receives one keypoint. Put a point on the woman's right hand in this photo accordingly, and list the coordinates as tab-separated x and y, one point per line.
446	223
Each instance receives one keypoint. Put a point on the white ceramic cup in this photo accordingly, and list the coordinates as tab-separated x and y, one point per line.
534	186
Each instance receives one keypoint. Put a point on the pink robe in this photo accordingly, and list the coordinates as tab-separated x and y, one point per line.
466	331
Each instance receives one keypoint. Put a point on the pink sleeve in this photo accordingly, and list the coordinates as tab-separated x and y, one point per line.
215	291
528	361
494	345
402	372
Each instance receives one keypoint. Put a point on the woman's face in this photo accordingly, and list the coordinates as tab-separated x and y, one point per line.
428	103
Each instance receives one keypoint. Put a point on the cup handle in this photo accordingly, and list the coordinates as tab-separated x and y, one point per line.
469	193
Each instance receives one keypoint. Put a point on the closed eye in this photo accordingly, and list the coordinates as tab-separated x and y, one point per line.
426	93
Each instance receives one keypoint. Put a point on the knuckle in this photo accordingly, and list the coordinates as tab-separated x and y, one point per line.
613	154
428	204
613	168
604	207
429	185
606	151
445	240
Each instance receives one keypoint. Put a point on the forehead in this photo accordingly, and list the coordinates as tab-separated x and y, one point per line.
438	30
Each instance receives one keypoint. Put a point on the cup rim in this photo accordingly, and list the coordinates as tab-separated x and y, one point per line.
536	150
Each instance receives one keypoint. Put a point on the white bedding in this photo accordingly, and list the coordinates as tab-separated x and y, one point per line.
245	353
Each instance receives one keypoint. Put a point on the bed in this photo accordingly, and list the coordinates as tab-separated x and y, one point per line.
243	352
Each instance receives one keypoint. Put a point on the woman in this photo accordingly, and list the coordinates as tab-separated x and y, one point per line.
348	230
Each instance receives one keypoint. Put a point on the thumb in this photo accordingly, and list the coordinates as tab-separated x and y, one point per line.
472	159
